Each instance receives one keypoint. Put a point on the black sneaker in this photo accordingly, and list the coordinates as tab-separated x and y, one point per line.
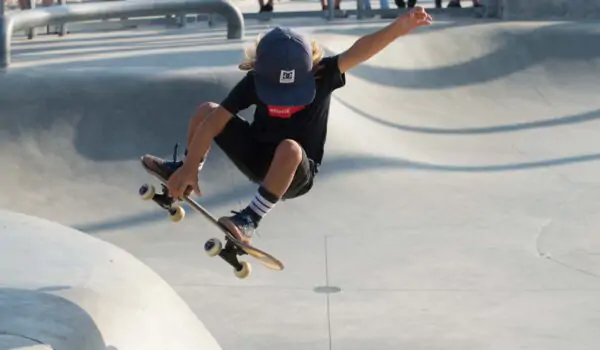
165	168
241	225
162	167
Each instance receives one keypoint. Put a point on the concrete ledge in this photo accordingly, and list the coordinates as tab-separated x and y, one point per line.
66	290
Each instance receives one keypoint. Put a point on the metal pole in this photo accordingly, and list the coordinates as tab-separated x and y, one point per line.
330	9
3	38
4	44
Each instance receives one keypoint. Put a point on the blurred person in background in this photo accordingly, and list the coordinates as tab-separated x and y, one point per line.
268	7
402	4
384	4
456	3
26	4
325	4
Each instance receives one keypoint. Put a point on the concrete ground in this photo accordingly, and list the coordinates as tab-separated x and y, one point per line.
456	208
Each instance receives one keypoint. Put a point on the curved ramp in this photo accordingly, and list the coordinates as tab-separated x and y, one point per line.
456	208
65	290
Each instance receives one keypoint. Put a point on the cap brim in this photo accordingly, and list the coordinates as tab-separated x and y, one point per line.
286	95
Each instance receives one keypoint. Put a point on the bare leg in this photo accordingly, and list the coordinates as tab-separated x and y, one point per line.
196	123
198	118
287	158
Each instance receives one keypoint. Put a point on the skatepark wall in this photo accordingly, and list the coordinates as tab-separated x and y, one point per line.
62	289
544	9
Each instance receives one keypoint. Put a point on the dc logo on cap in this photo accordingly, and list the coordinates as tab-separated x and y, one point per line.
287	76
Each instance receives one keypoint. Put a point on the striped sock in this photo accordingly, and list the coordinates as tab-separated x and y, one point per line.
262	203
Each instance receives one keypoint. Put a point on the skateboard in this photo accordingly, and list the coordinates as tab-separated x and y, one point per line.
213	247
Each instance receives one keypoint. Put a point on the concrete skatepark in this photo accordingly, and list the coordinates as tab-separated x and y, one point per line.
456	207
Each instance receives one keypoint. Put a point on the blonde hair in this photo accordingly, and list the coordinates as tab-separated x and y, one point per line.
250	53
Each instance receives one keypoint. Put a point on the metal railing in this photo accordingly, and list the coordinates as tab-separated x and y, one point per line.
59	15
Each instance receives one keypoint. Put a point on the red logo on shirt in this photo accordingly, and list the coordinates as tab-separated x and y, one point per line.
284	112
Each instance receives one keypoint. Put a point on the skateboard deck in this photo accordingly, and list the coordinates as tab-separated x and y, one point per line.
213	247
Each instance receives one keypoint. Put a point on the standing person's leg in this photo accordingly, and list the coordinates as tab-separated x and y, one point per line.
366	5
268	7
24	4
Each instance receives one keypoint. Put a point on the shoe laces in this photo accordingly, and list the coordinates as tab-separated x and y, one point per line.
175	163
175	152
245	222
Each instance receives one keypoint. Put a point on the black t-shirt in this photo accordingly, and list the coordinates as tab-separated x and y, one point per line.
307	125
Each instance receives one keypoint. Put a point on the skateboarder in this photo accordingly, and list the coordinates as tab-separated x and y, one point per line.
290	83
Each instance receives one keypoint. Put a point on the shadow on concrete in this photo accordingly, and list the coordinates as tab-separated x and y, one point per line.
36	316
334	167
538	124
115	117
233	194
180	55
519	49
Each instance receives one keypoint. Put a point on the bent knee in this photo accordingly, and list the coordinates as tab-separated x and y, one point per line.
290	150
207	107
203	110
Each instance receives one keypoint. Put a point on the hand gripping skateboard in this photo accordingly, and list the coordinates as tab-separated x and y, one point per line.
213	247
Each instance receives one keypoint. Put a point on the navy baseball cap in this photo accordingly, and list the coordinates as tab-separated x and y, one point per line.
283	69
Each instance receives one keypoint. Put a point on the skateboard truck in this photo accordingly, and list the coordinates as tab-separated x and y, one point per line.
229	253
176	213
232	248
213	247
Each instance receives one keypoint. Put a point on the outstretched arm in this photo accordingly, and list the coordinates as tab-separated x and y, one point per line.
369	45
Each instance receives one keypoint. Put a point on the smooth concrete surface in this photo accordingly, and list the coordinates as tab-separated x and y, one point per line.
62	289
457	207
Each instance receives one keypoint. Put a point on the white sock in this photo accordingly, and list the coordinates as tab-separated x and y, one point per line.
262	203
